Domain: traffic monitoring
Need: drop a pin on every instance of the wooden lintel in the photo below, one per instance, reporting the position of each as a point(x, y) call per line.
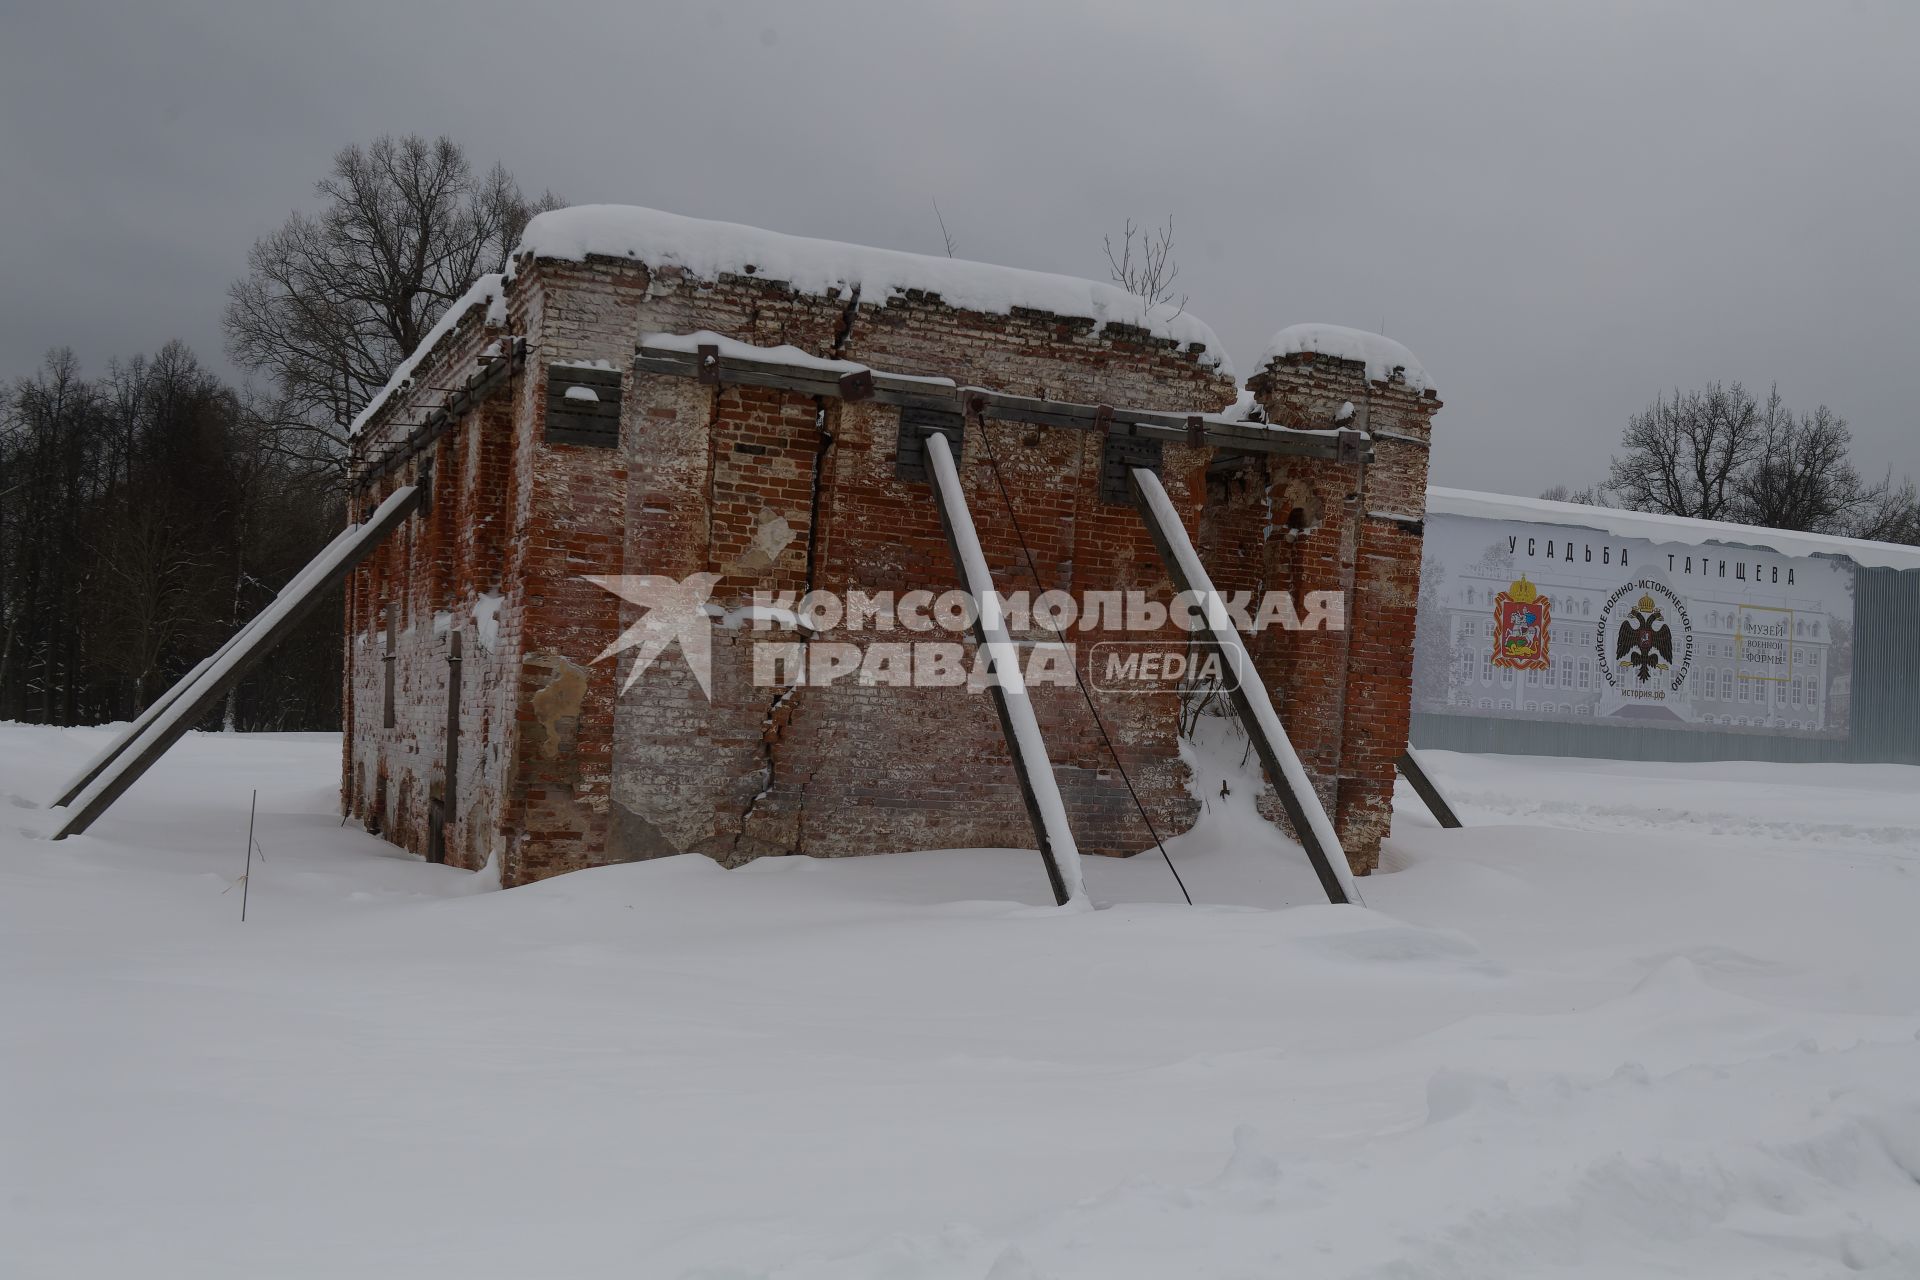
point(900, 390)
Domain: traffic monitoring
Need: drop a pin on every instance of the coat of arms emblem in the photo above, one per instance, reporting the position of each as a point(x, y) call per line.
point(1522, 618)
point(1644, 641)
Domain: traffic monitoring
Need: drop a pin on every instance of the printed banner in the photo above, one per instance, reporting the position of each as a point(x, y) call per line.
point(1539, 621)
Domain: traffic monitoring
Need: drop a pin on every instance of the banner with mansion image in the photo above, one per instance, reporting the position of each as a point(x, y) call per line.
point(1544, 621)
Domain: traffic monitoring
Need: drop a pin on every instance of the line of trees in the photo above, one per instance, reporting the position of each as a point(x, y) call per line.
point(143, 517)
point(1719, 453)
point(147, 512)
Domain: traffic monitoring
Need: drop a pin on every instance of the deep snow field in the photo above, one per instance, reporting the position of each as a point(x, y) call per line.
point(1635, 1021)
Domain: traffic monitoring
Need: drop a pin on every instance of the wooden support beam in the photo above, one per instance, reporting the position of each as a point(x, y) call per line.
point(113, 750)
point(938, 393)
point(273, 626)
point(1415, 772)
point(1018, 725)
point(807, 380)
point(1245, 692)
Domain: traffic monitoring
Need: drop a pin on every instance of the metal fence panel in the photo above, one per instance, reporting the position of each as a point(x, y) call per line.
point(1886, 666)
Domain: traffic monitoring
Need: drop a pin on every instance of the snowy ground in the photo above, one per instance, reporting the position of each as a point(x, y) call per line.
point(1637, 1021)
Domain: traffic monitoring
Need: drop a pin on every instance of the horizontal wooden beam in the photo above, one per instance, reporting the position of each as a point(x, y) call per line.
point(1216, 430)
point(806, 380)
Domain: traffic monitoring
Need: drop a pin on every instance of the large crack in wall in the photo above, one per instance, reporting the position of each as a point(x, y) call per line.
point(770, 728)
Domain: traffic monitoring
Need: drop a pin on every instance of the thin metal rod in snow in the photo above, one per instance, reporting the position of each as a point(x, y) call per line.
point(1414, 770)
point(266, 633)
point(246, 877)
point(1032, 768)
point(1246, 693)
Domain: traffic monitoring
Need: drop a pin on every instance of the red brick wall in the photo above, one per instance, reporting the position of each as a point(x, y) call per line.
point(435, 570)
point(1346, 695)
point(829, 770)
point(561, 768)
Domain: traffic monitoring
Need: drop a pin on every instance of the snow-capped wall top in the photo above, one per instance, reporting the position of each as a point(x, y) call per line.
point(488, 291)
point(1659, 528)
point(1381, 354)
point(708, 249)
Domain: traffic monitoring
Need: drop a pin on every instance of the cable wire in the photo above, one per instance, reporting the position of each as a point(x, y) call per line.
point(993, 464)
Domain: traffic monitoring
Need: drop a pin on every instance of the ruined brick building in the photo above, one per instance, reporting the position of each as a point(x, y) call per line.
point(643, 394)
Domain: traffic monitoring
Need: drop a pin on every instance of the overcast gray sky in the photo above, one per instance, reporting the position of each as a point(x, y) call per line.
point(1562, 209)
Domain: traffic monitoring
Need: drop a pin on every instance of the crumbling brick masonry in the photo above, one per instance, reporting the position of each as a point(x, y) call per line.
point(557, 455)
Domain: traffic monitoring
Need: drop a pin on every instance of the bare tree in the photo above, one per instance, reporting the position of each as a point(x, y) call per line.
point(1685, 456)
point(1591, 496)
point(1149, 270)
point(946, 240)
point(1802, 475)
point(333, 301)
point(149, 591)
point(1890, 514)
point(1717, 454)
point(1804, 478)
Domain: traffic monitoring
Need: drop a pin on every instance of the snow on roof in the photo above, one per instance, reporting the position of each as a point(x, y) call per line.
point(1381, 354)
point(708, 249)
point(1659, 528)
point(791, 356)
point(488, 290)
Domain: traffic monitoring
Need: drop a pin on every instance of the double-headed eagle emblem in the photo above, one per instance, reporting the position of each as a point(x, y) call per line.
point(1644, 640)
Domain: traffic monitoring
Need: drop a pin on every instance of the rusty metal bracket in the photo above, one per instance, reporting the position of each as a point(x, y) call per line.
point(856, 386)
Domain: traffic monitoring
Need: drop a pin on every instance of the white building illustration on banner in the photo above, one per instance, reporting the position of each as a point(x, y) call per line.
point(1659, 634)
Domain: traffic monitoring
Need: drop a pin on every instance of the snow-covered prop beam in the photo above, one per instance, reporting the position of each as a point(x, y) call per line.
point(1414, 770)
point(227, 669)
point(111, 752)
point(1246, 693)
point(714, 359)
point(1018, 724)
